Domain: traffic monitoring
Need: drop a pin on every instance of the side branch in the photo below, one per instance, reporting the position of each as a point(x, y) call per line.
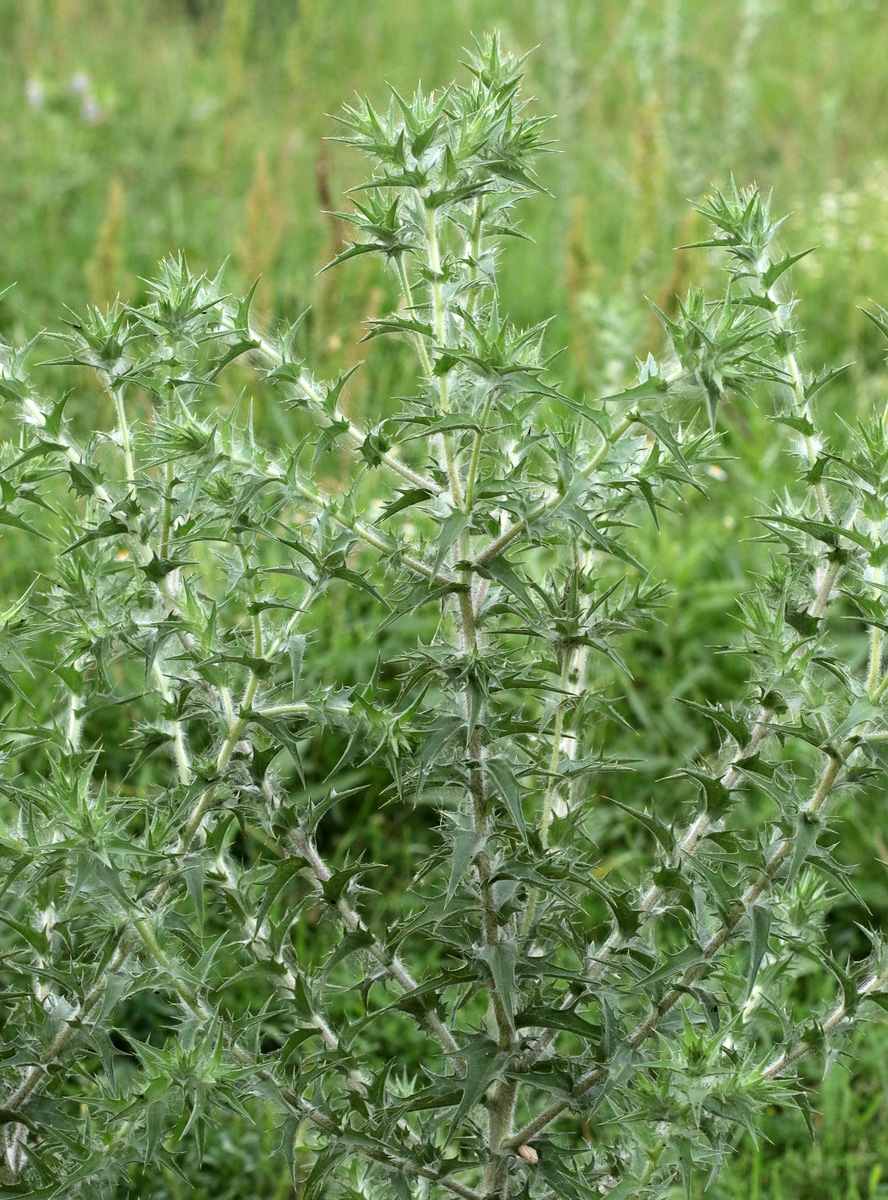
point(697, 831)
point(390, 963)
point(651, 1024)
point(352, 433)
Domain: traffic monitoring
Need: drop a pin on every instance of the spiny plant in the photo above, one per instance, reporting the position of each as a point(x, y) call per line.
point(572, 1030)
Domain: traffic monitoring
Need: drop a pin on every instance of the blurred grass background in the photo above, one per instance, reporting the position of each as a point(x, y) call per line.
point(133, 128)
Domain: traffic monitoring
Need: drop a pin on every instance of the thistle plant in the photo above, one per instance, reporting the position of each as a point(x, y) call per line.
point(532, 1023)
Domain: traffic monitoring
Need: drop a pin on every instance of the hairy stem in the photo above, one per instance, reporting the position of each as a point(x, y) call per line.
point(546, 814)
point(800, 405)
point(391, 963)
point(129, 940)
point(512, 531)
point(699, 828)
point(353, 434)
point(651, 1024)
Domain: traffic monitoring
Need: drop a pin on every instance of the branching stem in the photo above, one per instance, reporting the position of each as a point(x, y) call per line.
point(648, 1027)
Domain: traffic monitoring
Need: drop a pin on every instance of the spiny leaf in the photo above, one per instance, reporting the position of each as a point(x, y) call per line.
point(760, 929)
point(484, 1061)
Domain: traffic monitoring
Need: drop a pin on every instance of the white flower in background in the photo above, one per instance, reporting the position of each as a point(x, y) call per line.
point(35, 93)
point(80, 83)
point(91, 110)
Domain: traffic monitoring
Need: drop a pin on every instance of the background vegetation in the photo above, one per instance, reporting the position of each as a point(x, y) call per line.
point(130, 129)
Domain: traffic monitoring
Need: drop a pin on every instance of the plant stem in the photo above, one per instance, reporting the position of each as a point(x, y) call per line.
point(425, 359)
point(193, 1001)
point(74, 729)
point(876, 983)
point(472, 476)
point(496, 547)
point(477, 789)
point(874, 673)
point(125, 439)
point(501, 1097)
point(546, 815)
point(166, 522)
point(370, 536)
point(129, 940)
point(390, 962)
point(801, 408)
point(183, 761)
point(698, 830)
point(301, 709)
point(352, 432)
point(650, 1025)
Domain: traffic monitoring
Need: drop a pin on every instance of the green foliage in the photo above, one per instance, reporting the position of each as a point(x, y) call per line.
point(571, 1030)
